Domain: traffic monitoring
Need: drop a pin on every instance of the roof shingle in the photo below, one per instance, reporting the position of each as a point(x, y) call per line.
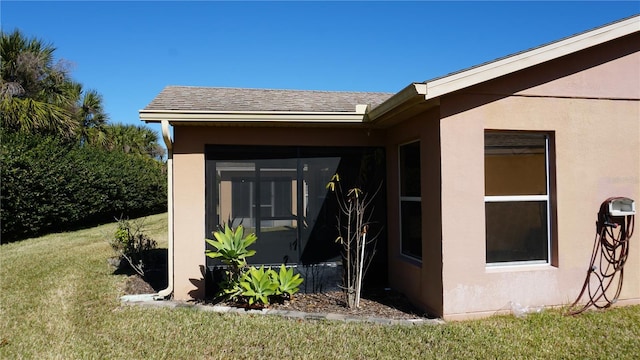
point(191, 98)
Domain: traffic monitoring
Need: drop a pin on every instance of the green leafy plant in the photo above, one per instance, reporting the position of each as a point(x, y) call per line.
point(231, 246)
point(259, 284)
point(131, 243)
point(83, 186)
point(244, 284)
point(288, 282)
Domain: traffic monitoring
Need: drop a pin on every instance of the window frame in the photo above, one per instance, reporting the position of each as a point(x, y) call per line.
point(251, 203)
point(548, 137)
point(414, 199)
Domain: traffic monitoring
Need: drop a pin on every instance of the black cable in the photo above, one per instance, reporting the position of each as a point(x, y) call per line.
point(612, 251)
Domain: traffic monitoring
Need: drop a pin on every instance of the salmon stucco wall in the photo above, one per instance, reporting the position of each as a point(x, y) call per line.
point(189, 213)
point(596, 142)
point(421, 280)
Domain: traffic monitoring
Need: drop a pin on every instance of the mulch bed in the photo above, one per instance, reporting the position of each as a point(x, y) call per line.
point(386, 304)
point(382, 303)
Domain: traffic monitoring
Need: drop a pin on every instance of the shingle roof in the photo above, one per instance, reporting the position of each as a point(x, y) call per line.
point(238, 99)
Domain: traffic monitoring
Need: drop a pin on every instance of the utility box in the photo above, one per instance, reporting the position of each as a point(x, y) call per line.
point(622, 207)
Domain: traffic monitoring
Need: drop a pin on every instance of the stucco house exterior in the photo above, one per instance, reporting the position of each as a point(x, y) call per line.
point(492, 176)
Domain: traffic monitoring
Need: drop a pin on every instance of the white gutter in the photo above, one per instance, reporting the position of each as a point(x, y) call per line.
point(412, 94)
point(163, 294)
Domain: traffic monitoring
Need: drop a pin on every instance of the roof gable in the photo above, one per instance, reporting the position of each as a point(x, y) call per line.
point(431, 90)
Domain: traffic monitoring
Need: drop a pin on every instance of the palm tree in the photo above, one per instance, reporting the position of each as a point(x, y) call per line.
point(35, 94)
point(134, 140)
point(90, 115)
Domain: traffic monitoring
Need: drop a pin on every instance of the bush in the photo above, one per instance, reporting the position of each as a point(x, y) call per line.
point(248, 284)
point(49, 185)
point(130, 243)
point(262, 286)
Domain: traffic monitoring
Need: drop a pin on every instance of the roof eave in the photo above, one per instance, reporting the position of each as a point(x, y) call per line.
point(191, 116)
point(412, 94)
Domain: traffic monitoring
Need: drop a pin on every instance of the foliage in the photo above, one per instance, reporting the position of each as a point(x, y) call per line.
point(287, 282)
point(58, 164)
point(38, 96)
point(133, 139)
point(51, 185)
point(241, 283)
point(258, 285)
point(232, 246)
point(91, 117)
point(354, 218)
point(131, 243)
point(267, 285)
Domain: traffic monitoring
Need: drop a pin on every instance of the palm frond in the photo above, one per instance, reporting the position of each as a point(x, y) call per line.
point(29, 115)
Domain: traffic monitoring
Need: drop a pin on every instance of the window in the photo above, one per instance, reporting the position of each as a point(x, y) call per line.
point(242, 197)
point(517, 206)
point(410, 200)
point(274, 201)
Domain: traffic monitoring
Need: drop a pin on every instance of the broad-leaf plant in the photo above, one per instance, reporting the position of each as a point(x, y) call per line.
point(244, 284)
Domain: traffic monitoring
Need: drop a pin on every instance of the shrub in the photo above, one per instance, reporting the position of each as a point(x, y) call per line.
point(266, 286)
point(258, 285)
point(354, 217)
point(50, 185)
point(287, 282)
point(130, 243)
point(231, 247)
point(240, 283)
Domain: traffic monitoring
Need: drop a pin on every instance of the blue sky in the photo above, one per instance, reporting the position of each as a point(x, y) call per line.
point(129, 51)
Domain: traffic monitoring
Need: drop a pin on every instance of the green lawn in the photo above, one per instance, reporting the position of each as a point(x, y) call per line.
point(60, 301)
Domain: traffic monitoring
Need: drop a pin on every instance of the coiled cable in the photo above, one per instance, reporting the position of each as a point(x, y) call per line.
point(610, 253)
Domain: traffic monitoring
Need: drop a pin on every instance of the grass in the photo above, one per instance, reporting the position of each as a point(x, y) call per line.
point(60, 300)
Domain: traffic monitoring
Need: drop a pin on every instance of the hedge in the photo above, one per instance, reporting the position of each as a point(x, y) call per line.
point(47, 185)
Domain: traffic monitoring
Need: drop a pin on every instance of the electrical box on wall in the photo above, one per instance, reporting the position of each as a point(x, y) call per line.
point(622, 207)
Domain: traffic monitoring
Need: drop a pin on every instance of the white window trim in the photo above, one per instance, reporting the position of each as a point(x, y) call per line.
point(521, 198)
point(514, 198)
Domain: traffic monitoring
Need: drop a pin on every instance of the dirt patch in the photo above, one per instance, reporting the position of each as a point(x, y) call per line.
point(136, 285)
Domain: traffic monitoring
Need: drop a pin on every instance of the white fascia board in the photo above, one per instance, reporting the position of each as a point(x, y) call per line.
point(530, 58)
point(405, 95)
point(176, 116)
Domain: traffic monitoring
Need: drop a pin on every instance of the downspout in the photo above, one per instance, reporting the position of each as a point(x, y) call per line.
point(163, 294)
